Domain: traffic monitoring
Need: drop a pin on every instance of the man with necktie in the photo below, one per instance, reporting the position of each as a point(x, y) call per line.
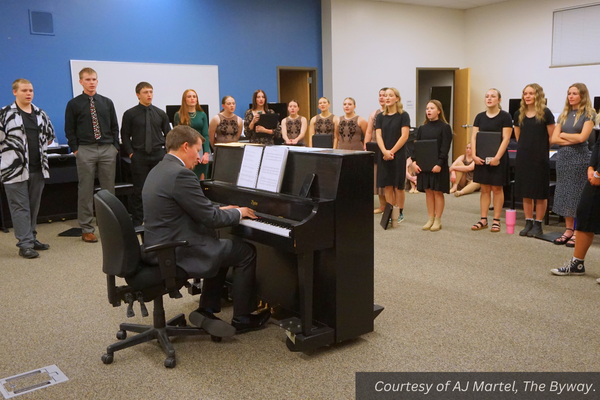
point(92, 131)
point(143, 132)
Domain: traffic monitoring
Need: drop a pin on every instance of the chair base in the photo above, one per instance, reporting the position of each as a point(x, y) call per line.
point(176, 326)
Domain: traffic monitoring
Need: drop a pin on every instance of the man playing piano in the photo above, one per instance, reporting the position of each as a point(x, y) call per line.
point(176, 209)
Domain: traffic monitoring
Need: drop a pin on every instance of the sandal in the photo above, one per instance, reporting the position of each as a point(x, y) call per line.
point(571, 242)
point(564, 238)
point(495, 225)
point(479, 226)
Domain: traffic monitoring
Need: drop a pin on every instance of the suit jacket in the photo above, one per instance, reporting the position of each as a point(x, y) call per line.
point(175, 208)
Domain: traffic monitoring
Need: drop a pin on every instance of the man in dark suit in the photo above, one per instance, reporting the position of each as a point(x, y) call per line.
point(175, 208)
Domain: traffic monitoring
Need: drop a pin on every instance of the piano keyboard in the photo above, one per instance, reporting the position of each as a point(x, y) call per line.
point(266, 227)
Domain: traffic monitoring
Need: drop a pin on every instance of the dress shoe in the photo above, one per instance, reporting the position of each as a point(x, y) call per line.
point(215, 326)
point(37, 245)
point(251, 322)
point(28, 253)
point(89, 237)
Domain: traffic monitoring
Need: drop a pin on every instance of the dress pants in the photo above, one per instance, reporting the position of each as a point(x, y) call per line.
point(241, 256)
point(24, 203)
point(141, 164)
point(92, 158)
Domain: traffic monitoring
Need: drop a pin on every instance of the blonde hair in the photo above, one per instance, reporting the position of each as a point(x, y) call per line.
point(15, 85)
point(398, 104)
point(351, 99)
point(438, 105)
point(499, 97)
point(585, 106)
point(87, 70)
point(539, 103)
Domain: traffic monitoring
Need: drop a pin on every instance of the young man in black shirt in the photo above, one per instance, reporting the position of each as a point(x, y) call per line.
point(92, 131)
point(143, 132)
point(25, 133)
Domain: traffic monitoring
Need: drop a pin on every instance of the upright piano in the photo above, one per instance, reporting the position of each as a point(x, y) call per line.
point(314, 241)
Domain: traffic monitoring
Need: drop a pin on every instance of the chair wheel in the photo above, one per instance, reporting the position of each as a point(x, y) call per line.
point(215, 339)
point(122, 335)
point(107, 358)
point(170, 362)
point(291, 345)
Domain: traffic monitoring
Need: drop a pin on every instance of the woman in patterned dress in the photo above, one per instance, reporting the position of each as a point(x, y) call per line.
point(225, 127)
point(324, 123)
point(294, 126)
point(256, 133)
point(573, 128)
point(191, 113)
point(370, 137)
point(350, 134)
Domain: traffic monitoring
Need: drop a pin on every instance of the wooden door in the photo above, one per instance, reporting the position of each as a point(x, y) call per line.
point(294, 85)
point(462, 107)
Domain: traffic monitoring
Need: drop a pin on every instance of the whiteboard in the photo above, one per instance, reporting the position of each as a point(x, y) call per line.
point(117, 81)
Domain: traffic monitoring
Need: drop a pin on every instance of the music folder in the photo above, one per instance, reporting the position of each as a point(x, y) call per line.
point(488, 144)
point(426, 154)
point(268, 121)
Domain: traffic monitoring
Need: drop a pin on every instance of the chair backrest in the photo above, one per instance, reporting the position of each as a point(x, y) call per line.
point(120, 245)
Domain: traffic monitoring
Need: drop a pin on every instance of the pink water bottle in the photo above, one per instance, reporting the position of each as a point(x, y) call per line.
point(511, 220)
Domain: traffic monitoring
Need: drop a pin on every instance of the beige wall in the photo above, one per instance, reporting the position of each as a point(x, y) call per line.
point(507, 45)
point(375, 44)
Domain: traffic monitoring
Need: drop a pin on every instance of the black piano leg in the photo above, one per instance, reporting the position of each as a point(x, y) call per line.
point(305, 282)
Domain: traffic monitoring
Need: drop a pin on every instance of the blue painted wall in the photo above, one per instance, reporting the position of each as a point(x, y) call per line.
point(246, 39)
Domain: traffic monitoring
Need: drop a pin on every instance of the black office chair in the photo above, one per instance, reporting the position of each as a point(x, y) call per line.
point(121, 256)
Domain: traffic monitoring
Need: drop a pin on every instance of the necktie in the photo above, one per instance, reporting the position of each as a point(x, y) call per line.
point(148, 132)
point(95, 122)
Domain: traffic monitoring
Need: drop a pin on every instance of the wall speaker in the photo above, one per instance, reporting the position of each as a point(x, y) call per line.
point(40, 23)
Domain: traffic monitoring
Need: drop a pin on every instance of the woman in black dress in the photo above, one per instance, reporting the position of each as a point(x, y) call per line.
point(371, 137)
point(392, 128)
point(256, 133)
point(572, 130)
point(435, 182)
point(588, 217)
point(491, 174)
point(534, 125)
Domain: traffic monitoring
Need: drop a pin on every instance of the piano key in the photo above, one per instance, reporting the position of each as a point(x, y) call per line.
point(266, 227)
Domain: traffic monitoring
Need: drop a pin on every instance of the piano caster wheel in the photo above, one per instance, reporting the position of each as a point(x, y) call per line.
point(170, 362)
point(291, 346)
point(216, 339)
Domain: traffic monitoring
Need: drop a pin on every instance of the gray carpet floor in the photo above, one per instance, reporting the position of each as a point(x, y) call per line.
point(454, 300)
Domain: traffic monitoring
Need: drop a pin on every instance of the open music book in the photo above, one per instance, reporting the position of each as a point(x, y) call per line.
point(263, 167)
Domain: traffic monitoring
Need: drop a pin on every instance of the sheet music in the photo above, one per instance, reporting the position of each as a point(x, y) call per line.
point(272, 168)
point(250, 166)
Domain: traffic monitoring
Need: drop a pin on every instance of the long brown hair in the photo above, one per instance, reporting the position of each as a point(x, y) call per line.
point(585, 106)
point(540, 103)
point(255, 105)
point(438, 105)
point(184, 116)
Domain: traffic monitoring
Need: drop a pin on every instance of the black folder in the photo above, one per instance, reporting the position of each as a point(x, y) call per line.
point(426, 154)
point(268, 121)
point(488, 144)
point(385, 217)
point(323, 141)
